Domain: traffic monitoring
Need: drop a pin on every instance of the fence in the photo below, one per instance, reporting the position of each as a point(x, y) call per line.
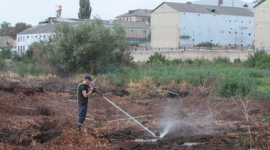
point(141, 54)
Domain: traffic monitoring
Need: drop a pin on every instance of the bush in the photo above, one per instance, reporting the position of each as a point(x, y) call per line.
point(237, 61)
point(221, 60)
point(5, 53)
point(233, 86)
point(260, 60)
point(2, 64)
point(176, 62)
point(157, 59)
point(189, 61)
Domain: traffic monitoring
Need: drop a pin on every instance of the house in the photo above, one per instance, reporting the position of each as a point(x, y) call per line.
point(138, 15)
point(135, 31)
point(34, 34)
point(262, 25)
point(175, 25)
point(6, 41)
point(229, 3)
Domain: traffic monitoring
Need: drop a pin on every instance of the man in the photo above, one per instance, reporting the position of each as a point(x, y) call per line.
point(84, 91)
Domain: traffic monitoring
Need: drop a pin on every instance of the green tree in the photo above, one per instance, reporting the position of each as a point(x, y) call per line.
point(19, 27)
point(85, 9)
point(4, 27)
point(85, 47)
point(5, 53)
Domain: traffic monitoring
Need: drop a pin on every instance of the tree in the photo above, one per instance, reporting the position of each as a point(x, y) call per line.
point(19, 27)
point(85, 9)
point(4, 27)
point(85, 47)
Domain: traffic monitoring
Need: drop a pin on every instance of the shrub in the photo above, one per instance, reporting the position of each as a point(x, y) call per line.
point(221, 60)
point(176, 62)
point(157, 59)
point(260, 60)
point(233, 86)
point(189, 61)
point(2, 64)
point(5, 53)
point(237, 61)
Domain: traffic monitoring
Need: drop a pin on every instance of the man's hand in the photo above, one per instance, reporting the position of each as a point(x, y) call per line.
point(91, 90)
point(85, 94)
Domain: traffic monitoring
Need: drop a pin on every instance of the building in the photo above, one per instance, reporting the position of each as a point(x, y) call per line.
point(228, 3)
point(136, 32)
point(138, 15)
point(175, 25)
point(6, 41)
point(34, 34)
point(262, 25)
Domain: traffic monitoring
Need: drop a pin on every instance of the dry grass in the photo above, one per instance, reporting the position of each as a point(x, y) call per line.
point(145, 88)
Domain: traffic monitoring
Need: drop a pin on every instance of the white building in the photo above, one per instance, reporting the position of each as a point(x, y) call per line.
point(34, 34)
point(176, 24)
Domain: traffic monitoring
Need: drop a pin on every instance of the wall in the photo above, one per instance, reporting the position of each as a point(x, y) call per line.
point(139, 33)
point(223, 30)
point(143, 56)
point(262, 25)
point(164, 27)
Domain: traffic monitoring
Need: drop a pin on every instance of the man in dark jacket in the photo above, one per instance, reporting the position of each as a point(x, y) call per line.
point(84, 91)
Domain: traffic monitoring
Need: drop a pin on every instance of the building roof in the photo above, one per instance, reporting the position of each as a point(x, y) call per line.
point(209, 9)
point(259, 3)
point(3, 38)
point(41, 28)
point(229, 3)
point(137, 12)
point(132, 24)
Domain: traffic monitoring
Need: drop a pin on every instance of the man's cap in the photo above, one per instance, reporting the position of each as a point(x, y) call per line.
point(88, 77)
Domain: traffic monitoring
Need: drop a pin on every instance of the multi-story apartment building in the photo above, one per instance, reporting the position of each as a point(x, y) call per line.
point(184, 24)
point(262, 25)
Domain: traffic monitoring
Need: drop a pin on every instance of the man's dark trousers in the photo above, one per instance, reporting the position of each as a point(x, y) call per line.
point(82, 111)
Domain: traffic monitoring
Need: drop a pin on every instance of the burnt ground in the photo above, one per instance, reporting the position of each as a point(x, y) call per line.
point(43, 115)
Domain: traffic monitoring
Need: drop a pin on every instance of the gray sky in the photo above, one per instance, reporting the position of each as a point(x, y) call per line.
point(34, 11)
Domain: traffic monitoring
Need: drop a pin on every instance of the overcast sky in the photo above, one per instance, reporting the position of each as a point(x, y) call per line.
point(34, 11)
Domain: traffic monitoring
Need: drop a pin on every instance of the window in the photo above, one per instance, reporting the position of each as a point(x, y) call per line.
point(199, 14)
point(249, 34)
point(27, 36)
point(235, 32)
point(230, 21)
point(229, 32)
point(222, 31)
